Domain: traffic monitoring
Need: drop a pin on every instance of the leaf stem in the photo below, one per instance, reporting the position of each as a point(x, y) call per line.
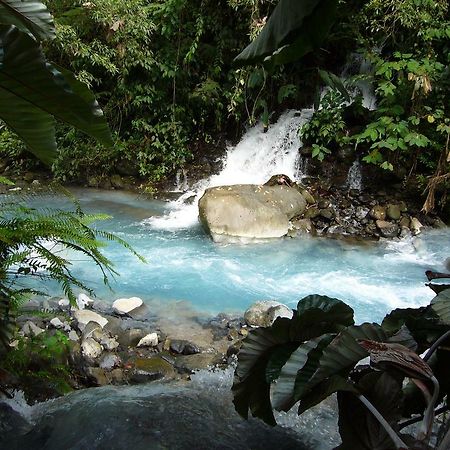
point(436, 344)
point(399, 444)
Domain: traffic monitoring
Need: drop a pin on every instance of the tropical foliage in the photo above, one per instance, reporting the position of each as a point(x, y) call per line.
point(320, 351)
point(39, 243)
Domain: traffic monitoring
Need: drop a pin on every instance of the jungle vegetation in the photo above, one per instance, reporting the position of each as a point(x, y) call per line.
point(172, 78)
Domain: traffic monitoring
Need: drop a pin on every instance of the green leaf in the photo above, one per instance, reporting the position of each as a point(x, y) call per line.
point(29, 16)
point(283, 397)
point(344, 351)
point(441, 306)
point(251, 389)
point(41, 91)
point(295, 28)
point(358, 428)
point(334, 82)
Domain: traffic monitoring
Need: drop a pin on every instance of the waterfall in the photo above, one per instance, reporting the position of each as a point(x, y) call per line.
point(253, 160)
point(354, 176)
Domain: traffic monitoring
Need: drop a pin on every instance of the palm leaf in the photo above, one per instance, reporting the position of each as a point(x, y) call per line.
point(29, 16)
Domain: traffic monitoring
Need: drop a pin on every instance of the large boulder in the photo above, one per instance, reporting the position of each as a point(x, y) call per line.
point(249, 211)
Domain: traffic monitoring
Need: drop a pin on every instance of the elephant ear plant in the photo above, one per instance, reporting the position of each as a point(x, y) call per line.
point(320, 351)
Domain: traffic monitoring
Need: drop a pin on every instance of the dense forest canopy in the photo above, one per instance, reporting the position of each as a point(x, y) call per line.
point(165, 75)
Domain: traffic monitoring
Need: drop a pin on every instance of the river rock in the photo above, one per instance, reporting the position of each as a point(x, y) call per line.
point(124, 306)
point(83, 301)
point(56, 323)
point(97, 375)
point(30, 329)
point(378, 212)
point(183, 347)
point(84, 316)
point(73, 336)
point(150, 340)
point(312, 213)
point(303, 225)
point(405, 222)
point(109, 360)
point(393, 212)
point(415, 226)
point(116, 181)
point(249, 211)
point(387, 229)
point(264, 313)
point(91, 349)
point(150, 369)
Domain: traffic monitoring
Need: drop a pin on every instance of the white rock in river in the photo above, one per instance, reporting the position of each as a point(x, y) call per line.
point(127, 305)
point(56, 323)
point(150, 340)
point(84, 316)
point(264, 313)
point(91, 349)
point(83, 301)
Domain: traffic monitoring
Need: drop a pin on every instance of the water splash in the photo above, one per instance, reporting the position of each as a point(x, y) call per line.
point(354, 176)
point(253, 160)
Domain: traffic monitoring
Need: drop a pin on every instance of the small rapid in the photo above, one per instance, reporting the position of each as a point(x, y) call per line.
point(257, 157)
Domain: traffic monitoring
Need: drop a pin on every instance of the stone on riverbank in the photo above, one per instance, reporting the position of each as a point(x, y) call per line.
point(124, 306)
point(150, 340)
point(264, 313)
point(84, 316)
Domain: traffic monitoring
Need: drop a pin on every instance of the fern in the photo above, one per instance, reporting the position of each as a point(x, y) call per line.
point(31, 244)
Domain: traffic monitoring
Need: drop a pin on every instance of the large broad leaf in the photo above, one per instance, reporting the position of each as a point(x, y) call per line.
point(27, 78)
point(358, 427)
point(28, 15)
point(251, 389)
point(441, 306)
point(345, 351)
point(319, 314)
point(423, 323)
point(283, 395)
point(295, 28)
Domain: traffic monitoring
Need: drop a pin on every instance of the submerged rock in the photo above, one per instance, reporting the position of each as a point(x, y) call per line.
point(249, 211)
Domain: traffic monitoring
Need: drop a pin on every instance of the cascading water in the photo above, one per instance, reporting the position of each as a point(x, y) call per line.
point(354, 177)
point(253, 160)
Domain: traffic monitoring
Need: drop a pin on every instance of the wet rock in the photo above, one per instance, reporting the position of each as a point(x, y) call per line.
point(124, 306)
point(109, 360)
point(393, 212)
point(404, 232)
point(150, 340)
point(192, 363)
point(405, 222)
point(415, 226)
point(84, 301)
point(31, 330)
point(183, 347)
point(361, 212)
point(91, 349)
point(249, 211)
point(150, 369)
point(378, 212)
point(312, 213)
point(387, 229)
point(264, 313)
point(97, 375)
point(131, 337)
point(336, 230)
point(117, 376)
point(327, 213)
point(84, 316)
point(307, 196)
point(303, 225)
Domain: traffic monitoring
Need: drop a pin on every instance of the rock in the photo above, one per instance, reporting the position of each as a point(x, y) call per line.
point(89, 329)
point(131, 337)
point(56, 323)
point(387, 229)
point(405, 222)
point(182, 347)
point(83, 301)
point(264, 313)
point(64, 304)
point(192, 363)
point(415, 226)
point(307, 196)
point(303, 225)
point(361, 212)
point(249, 211)
point(327, 213)
point(116, 181)
point(109, 360)
point(150, 340)
point(91, 349)
point(124, 306)
point(98, 375)
point(378, 212)
point(404, 232)
point(150, 369)
point(117, 376)
point(73, 336)
point(312, 213)
point(84, 316)
point(108, 343)
point(31, 330)
point(393, 212)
